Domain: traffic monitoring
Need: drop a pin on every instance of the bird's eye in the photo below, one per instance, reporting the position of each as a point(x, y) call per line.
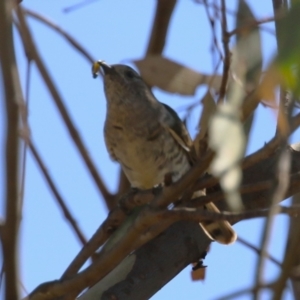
point(130, 74)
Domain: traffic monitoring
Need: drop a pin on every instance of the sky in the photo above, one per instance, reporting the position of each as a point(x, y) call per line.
point(118, 31)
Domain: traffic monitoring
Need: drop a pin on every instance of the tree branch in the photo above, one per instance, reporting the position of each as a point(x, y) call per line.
point(127, 288)
point(31, 48)
point(11, 94)
point(61, 202)
point(164, 10)
point(111, 256)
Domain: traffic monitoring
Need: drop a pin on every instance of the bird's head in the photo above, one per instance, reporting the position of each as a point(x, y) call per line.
point(122, 84)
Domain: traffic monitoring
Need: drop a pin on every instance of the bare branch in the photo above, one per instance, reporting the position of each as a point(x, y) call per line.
point(270, 147)
point(164, 10)
point(31, 48)
point(258, 251)
point(61, 202)
point(279, 190)
point(227, 54)
point(12, 94)
point(112, 222)
point(62, 32)
point(291, 256)
point(105, 230)
point(25, 132)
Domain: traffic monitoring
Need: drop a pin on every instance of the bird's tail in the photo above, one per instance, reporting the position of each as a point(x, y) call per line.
point(220, 231)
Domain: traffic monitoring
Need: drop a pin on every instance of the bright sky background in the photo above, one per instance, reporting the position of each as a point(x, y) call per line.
point(118, 32)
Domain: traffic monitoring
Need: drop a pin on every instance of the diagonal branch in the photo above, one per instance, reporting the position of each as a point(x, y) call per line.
point(11, 95)
point(162, 265)
point(227, 54)
point(31, 48)
point(61, 202)
point(62, 32)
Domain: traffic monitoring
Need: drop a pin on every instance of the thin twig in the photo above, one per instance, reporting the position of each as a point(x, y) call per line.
point(198, 214)
point(291, 256)
point(28, 42)
point(227, 54)
point(77, 5)
point(258, 251)
point(219, 195)
point(279, 189)
point(278, 194)
point(270, 147)
point(61, 202)
point(25, 133)
point(215, 44)
point(262, 187)
point(62, 32)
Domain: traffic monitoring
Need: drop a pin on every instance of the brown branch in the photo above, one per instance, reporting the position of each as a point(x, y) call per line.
point(105, 230)
point(144, 220)
point(108, 262)
point(31, 48)
point(25, 131)
point(63, 33)
point(227, 54)
point(270, 147)
point(279, 189)
point(161, 253)
point(291, 256)
point(164, 10)
point(128, 202)
point(12, 93)
point(282, 182)
point(112, 222)
point(293, 253)
point(156, 263)
point(246, 190)
point(215, 44)
point(61, 202)
point(258, 251)
point(114, 255)
point(198, 214)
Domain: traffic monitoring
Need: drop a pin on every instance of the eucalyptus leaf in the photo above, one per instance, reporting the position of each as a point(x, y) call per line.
point(173, 77)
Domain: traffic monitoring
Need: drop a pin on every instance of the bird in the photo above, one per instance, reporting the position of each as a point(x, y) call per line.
point(148, 138)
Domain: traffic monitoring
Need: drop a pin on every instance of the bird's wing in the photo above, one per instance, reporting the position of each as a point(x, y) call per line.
point(179, 132)
point(109, 145)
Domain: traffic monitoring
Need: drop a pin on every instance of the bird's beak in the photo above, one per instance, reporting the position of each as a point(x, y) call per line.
point(100, 64)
